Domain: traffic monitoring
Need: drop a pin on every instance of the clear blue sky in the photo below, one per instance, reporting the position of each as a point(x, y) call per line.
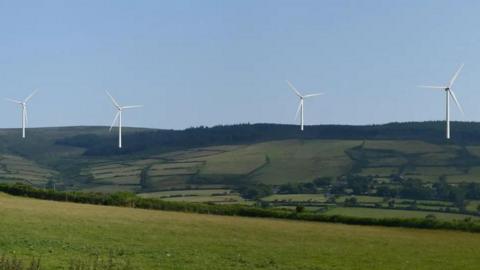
point(221, 62)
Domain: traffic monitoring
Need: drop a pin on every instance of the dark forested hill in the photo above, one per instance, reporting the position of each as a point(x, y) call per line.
point(166, 140)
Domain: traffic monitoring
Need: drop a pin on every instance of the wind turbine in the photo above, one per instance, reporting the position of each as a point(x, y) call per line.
point(119, 117)
point(300, 106)
point(24, 110)
point(449, 94)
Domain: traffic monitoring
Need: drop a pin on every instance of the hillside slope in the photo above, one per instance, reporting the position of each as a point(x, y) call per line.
point(227, 156)
point(168, 240)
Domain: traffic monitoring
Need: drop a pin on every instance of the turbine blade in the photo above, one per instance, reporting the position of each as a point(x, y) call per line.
point(132, 106)
point(114, 120)
point(432, 87)
point(294, 89)
point(455, 76)
point(113, 100)
point(313, 95)
point(452, 94)
point(298, 110)
point(30, 96)
point(14, 100)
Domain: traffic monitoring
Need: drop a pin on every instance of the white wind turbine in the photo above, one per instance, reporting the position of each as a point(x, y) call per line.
point(300, 106)
point(449, 93)
point(24, 110)
point(119, 117)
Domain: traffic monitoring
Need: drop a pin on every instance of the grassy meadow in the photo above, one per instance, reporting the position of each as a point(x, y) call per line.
point(168, 240)
point(388, 213)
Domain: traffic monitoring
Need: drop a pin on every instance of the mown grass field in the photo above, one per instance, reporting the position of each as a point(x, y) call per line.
point(169, 240)
point(388, 213)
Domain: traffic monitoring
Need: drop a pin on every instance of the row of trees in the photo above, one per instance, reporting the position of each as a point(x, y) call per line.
point(441, 190)
point(255, 191)
point(409, 188)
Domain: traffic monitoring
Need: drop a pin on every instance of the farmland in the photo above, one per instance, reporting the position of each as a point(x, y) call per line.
point(350, 178)
point(387, 213)
point(272, 162)
point(281, 162)
point(169, 240)
point(223, 174)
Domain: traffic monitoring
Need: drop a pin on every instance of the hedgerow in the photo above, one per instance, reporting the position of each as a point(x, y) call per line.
point(126, 199)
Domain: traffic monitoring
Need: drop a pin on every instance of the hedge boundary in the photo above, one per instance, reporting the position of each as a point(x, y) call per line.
point(126, 199)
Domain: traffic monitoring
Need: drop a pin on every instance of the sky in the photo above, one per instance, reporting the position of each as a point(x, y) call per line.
point(193, 63)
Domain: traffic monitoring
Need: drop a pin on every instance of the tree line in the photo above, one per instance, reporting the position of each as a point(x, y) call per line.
point(408, 188)
point(168, 140)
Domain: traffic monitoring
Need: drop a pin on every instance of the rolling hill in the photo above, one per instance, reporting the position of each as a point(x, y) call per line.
point(228, 156)
point(58, 232)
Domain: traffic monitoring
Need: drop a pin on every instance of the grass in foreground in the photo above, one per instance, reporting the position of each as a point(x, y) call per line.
point(57, 232)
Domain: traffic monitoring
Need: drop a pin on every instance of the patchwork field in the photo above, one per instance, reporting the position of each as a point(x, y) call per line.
point(18, 169)
point(40, 159)
point(270, 163)
point(168, 240)
point(417, 159)
point(280, 162)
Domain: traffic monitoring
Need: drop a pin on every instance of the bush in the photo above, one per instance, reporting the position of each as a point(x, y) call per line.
point(352, 201)
point(300, 208)
point(323, 181)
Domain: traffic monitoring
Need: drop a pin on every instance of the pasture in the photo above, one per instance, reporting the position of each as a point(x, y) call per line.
point(391, 213)
point(169, 240)
point(18, 169)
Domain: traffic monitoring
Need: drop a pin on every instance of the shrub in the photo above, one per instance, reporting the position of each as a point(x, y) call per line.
point(299, 209)
point(352, 201)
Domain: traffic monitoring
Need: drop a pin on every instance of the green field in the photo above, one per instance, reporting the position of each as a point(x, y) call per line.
point(168, 240)
point(17, 169)
point(219, 196)
point(296, 198)
point(387, 213)
point(186, 193)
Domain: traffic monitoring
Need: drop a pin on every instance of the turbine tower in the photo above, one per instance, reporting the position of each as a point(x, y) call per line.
point(23, 104)
point(300, 106)
point(119, 117)
point(448, 94)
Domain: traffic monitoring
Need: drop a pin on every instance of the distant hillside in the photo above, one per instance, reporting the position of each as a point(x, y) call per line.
point(87, 158)
point(167, 140)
